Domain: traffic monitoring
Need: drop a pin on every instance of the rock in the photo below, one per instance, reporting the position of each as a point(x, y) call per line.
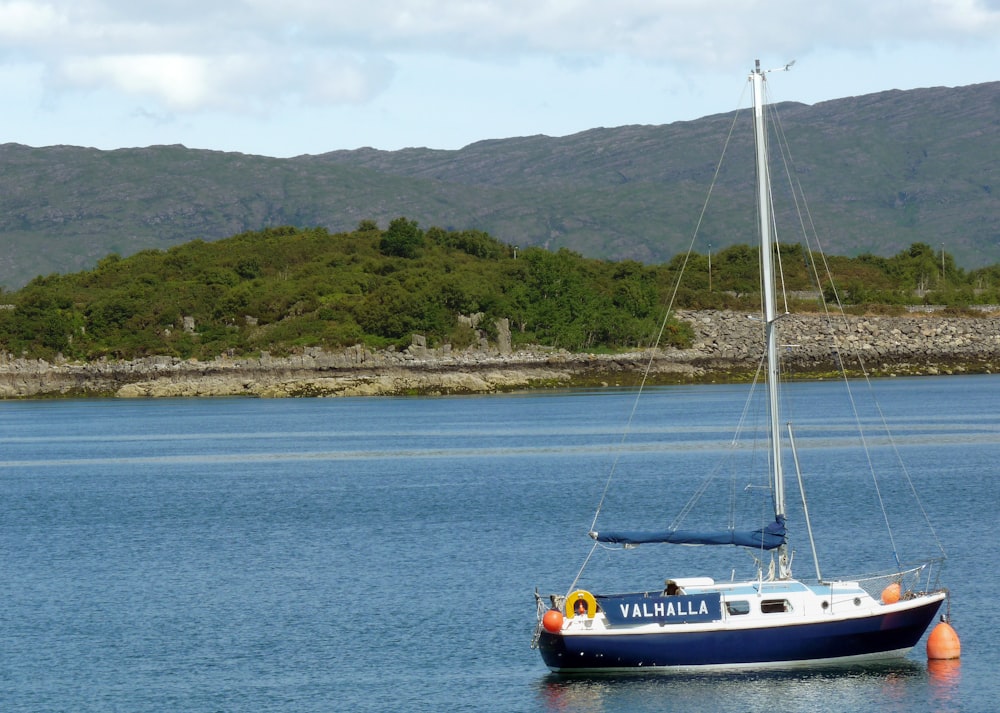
point(503, 336)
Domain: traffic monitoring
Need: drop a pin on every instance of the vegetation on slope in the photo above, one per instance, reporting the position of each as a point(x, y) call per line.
point(281, 290)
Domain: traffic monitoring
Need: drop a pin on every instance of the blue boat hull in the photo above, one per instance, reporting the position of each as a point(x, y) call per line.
point(792, 644)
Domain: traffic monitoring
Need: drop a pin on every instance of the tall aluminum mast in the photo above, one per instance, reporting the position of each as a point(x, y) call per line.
point(770, 299)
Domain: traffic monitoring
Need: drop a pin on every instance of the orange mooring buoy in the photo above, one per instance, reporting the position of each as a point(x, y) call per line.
point(552, 621)
point(943, 642)
point(890, 595)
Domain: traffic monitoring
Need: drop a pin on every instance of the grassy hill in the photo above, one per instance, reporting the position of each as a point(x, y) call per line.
point(285, 289)
point(881, 172)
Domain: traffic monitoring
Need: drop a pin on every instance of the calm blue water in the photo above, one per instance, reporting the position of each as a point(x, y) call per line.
point(380, 554)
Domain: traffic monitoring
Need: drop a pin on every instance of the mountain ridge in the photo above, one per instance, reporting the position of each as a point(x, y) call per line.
point(881, 171)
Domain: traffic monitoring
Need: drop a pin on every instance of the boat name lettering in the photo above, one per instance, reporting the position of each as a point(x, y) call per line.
point(660, 609)
point(631, 609)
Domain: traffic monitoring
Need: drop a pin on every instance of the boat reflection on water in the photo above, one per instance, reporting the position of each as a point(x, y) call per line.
point(905, 684)
point(562, 694)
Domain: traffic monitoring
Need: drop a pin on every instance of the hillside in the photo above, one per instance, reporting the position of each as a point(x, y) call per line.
point(285, 290)
point(282, 290)
point(881, 172)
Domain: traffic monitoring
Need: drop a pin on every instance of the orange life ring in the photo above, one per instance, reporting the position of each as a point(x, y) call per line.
point(581, 595)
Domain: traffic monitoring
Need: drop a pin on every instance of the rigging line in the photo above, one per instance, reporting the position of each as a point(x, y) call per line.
point(850, 392)
point(857, 419)
point(733, 444)
point(878, 407)
point(906, 474)
point(805, 216)
point(750, 401)
point(663, 324)
point(769, 122)
point(772, 120)
point(785, 151)
point(586, 561)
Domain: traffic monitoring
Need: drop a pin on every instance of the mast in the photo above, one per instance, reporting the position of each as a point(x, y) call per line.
point(770, 300)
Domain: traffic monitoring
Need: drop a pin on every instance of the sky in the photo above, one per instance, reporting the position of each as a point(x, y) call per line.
point(290, 77)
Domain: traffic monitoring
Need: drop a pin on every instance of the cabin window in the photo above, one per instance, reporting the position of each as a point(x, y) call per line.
point(775, 606)
point(738, 607)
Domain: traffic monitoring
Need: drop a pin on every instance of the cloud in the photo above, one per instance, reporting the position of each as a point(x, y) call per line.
point(256, 55)
point(26, 22)
point(236, 82)
point(181, 82)
point(654, 29)
point(186, 59)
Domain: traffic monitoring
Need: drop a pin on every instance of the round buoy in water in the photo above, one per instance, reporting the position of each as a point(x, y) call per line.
point(890, 595)
point(553, 621)
point(943, 642)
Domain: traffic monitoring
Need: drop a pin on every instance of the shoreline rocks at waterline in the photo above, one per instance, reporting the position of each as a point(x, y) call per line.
point(726, 345)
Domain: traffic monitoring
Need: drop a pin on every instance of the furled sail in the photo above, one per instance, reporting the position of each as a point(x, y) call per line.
point(765, 538)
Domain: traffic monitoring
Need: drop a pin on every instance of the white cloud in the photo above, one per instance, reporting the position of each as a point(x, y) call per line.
point(339, 79)
point(181, 82)
point(653, 29)
point(195, 55)
point(24, 23)
point(237, 82)
point(203, 62)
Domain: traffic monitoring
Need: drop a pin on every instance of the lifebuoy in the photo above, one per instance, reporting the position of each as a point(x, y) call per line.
point(581, 595)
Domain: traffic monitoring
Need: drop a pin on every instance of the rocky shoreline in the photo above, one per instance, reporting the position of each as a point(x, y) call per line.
point(726, 347)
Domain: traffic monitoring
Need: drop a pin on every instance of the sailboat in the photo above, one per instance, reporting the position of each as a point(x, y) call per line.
point(771, 620)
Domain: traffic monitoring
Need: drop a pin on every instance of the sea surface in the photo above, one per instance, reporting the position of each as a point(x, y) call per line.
point(381, 554)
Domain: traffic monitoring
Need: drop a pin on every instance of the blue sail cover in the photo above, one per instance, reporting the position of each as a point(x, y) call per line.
point(767, 538)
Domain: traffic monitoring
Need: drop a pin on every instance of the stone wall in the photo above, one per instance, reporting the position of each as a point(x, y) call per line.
point(884, 343)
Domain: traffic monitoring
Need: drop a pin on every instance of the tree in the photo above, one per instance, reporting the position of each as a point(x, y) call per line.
point(738, 269)
point(402, 239)
point(249, 268)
